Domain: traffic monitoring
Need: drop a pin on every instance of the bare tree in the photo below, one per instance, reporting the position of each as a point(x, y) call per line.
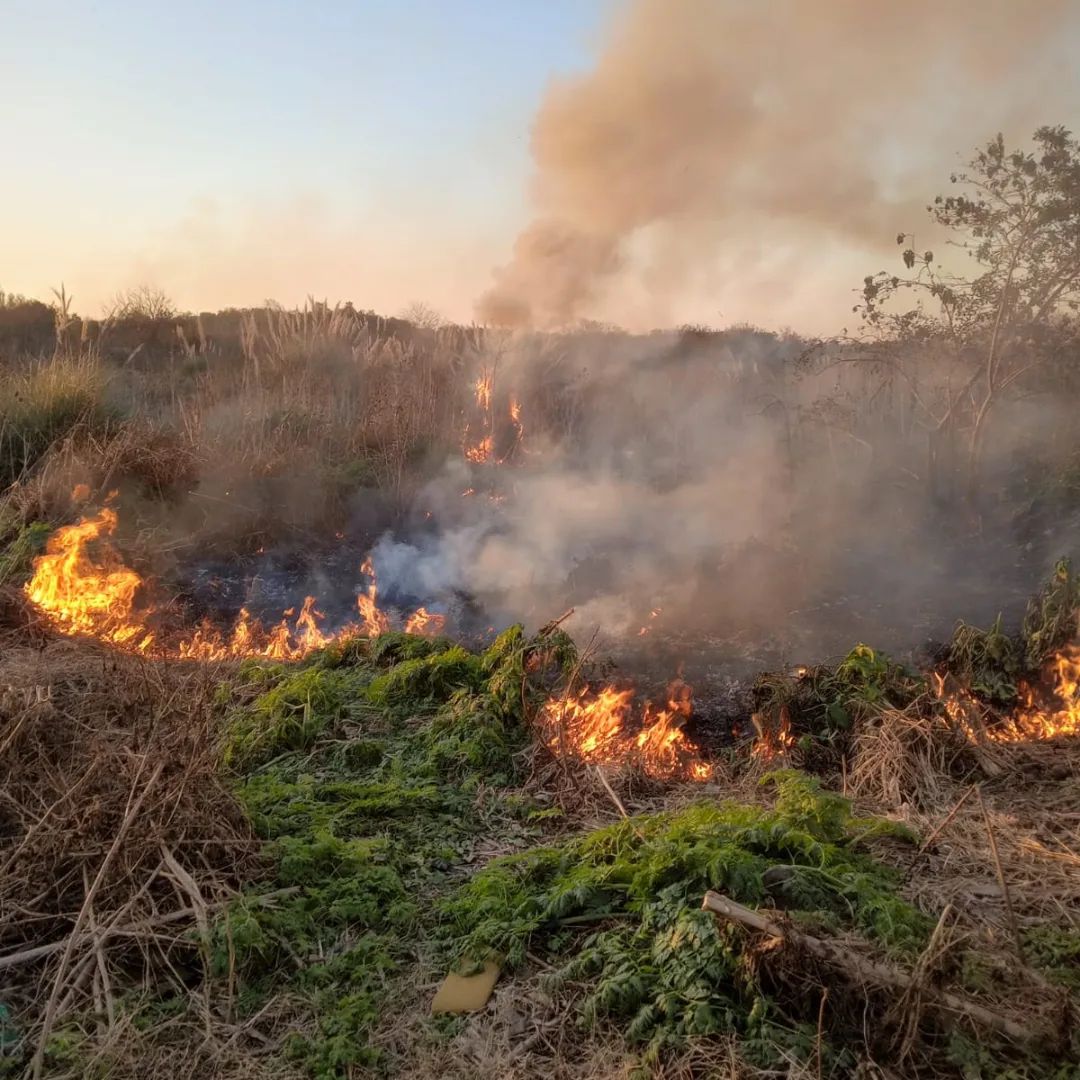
point(1017, 214)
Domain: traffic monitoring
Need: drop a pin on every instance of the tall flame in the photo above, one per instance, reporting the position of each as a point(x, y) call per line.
point(84, 596)
point(600, 727)
point(375, 621)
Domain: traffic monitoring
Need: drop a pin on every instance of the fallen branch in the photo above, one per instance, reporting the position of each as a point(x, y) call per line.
point(872, 971)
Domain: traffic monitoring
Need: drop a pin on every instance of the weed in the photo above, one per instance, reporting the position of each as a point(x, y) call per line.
point(991, 663)
point(824, 704)
point(657, 964)
point(427, 681)
point(16, 557)
point(355, 828)
point(291, 715)
point(1056, 951)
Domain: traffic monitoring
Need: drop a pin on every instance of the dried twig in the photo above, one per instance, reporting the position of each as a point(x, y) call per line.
point(1013, 927)
point(54, 997)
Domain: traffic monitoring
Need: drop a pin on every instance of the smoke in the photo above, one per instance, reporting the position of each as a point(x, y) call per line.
point(731, 129)
point(763, 507)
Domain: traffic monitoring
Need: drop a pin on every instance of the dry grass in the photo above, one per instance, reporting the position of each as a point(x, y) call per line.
point(117, 837)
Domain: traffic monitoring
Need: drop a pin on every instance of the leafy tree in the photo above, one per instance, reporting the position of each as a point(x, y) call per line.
point(1017, 214)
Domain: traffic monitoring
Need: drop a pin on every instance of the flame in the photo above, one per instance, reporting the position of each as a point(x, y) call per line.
point(480, 452)
point(84, 596)
point(375, 621)
point(483, 388)
point(773, 741)
point(1046, 711)
point(83, 588)
point(597, 727)
point(425, 623)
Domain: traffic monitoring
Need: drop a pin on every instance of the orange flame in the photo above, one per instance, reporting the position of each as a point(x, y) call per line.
point(425, 623)
point(375, 621)
point(596, 727)
point(1050, 710)
point(484, 386)
point(773, 742)
point(83, 587)
point(84, 596)
point(480, 452)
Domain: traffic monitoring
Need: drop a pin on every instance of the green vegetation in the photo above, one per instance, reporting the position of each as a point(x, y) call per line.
point(17, 553)
point(362, 771)
point(653, 961)
point(372, 770)
point(991, 662)
point(823, 704)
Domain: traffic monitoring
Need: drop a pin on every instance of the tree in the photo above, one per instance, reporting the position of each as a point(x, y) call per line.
point(1017, 215)
point(422, 316)
point(144, 304)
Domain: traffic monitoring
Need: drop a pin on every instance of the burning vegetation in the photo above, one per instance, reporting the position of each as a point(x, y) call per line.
point(609, 726)
point(83, 588)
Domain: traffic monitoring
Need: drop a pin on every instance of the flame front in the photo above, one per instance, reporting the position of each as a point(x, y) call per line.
point(598, 727)
point(83, 587)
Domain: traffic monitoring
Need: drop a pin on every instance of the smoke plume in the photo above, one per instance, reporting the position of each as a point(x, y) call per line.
point(735, 127)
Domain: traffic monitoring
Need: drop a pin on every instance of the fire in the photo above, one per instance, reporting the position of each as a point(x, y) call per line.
point(84, 596)
point(598, 727)
point(480, 452)
point(483, 388)
point(83, 587)
point(375, 621)
point(773, 741)
point(250, 638)
point(425, 623)
point(1047, 711)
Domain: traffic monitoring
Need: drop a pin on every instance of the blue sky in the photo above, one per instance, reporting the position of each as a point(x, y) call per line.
point(231, 152)
point(126, 121)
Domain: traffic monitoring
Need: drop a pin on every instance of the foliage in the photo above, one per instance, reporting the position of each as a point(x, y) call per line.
point(823, 704)
point(426, 681)
point(990, 662)
point(657, 963)
point(291, 714)
point(355, 828)
point(1051, 617)
point(1056, 951)
point(987, 662)
point(16, 556)
point(1017, 214)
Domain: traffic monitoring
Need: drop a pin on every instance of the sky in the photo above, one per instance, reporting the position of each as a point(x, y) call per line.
point(359, 150)
point(378, 151)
